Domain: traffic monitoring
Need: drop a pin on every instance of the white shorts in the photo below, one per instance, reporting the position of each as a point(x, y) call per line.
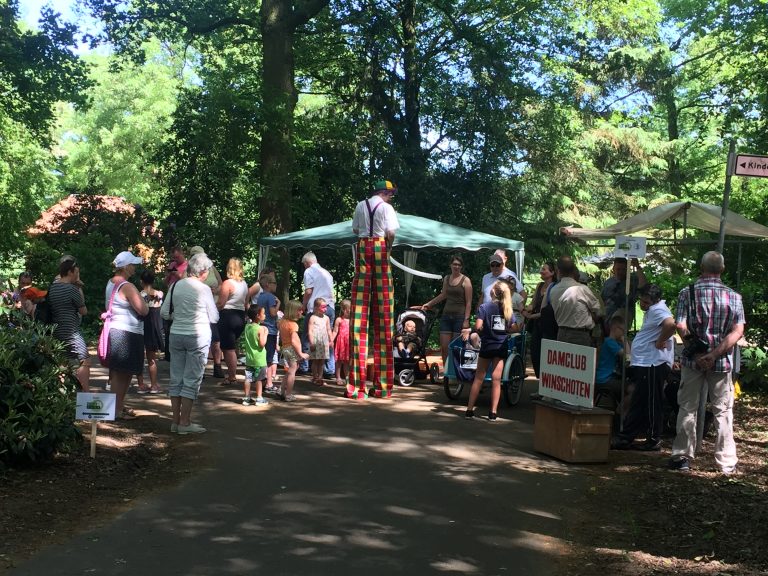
point(259, 373)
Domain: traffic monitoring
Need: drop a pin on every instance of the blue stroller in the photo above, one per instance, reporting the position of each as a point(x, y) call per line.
point(462, 364)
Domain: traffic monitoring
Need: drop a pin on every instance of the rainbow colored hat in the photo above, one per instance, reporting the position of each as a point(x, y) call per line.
point(380, 185)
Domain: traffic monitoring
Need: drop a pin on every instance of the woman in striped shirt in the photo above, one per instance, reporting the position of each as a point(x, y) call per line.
point(67, 305)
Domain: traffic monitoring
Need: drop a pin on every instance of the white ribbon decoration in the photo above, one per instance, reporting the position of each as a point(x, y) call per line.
point(415, 272)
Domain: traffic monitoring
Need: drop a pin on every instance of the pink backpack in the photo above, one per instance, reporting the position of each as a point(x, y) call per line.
point(103, 350)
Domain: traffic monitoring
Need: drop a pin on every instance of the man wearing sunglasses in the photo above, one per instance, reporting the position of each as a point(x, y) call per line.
point(499, 271)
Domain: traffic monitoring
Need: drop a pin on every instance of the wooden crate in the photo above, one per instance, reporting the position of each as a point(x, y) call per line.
point(571, 433)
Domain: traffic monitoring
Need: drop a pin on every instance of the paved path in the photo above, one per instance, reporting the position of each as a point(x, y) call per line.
point(330, 486)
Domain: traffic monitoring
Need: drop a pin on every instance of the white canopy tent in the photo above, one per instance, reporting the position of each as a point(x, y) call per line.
point(691, 214)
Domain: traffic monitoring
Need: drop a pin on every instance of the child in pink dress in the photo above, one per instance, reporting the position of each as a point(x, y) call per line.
point(340, 338)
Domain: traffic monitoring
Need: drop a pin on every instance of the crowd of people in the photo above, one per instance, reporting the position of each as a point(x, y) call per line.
point(709, 320)
point(201, 315)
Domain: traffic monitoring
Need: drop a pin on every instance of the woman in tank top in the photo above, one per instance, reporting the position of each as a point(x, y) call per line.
point(233, 297)
point(126, 329)
point(457, 293)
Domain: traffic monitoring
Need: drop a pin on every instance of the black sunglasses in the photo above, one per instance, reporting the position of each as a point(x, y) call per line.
point(495, 264)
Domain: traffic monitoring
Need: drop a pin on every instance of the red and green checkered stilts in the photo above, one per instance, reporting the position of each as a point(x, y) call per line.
point(372, 296)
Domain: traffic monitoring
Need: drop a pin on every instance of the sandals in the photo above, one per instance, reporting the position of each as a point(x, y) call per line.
point(127, 414)
point(318, 382)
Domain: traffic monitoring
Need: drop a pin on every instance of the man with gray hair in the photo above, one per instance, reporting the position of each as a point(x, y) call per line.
point(318, 283)
point(710, 318)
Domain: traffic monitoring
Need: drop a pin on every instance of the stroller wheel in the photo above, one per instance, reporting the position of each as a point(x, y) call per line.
point(452, 388)
point(406, 377)
point(434, 373)
point(512, 379)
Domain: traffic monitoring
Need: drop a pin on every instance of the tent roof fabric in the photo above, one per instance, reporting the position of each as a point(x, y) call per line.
point(414, 232)
point(699, 215)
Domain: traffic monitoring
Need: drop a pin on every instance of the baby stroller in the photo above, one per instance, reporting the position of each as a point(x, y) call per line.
point(462, 364)
point(408, 369)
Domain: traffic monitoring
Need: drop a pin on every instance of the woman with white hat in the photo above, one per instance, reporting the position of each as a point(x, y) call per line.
point(126, 330)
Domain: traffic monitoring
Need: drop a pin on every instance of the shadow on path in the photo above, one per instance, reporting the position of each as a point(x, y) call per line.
point(331, 486)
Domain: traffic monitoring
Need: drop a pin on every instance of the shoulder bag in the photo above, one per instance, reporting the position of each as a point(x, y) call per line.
point(103, 349)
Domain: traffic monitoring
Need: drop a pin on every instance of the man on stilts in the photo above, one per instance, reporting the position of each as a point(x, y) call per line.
point(374, 223)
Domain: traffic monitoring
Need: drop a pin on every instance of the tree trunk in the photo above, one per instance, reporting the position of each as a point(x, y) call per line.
point(414, 156)
point(278, 101)
point(674, 176)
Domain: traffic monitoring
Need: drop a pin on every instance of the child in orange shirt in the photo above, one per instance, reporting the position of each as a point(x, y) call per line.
point(290, 347)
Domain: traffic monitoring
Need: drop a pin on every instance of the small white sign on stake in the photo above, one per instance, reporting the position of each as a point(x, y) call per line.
point(630, 247)
point(95, 406)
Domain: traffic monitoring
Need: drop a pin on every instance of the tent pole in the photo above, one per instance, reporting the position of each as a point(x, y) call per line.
point(627, 283)
point(726, 195)
point(738, 269)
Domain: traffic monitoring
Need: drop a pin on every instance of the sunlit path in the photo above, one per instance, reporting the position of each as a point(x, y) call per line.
point(328, 486)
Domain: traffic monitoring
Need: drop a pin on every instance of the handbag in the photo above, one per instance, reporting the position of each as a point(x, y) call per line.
point(103, 349)
point(693, 345)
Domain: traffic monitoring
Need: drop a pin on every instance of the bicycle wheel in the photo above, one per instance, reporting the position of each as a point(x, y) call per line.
point(512, 379)
point(452, 388)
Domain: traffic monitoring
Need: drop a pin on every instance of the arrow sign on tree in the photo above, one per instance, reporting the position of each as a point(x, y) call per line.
point(749, 165)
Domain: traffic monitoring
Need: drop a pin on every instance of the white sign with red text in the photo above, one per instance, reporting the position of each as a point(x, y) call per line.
point(567, 372)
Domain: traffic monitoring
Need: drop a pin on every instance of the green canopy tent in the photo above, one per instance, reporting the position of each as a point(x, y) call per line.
point(415, 233)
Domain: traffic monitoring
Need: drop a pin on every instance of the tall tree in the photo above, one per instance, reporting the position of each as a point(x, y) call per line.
point(110, 147)
point(38, 68)
point(275, 27)
point(27, 184)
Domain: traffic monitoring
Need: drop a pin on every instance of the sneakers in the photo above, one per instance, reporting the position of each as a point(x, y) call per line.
point(191, 429)
point(289, 398)
point(247, 401)
point(492, 417)
point(619, 443)
point(469, 414)
point(728, 470)
point(261, 401)
point(142, 391)
point(174, 427)
point(679, 464)
point(648, 446)
point(271, 389)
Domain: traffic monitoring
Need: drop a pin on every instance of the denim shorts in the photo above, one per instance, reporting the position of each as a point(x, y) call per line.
point(452, 324)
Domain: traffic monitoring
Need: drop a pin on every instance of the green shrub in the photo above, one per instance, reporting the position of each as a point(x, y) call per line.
point(754, 369)
point(37, 392)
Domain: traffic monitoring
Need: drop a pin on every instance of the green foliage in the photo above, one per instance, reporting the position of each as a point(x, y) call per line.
point(37, 392)
point(26, 183)
point(754, 369)
point(110, 146)
point(37, 69)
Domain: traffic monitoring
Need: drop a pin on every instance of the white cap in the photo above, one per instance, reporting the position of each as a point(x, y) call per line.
point(125, 258)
